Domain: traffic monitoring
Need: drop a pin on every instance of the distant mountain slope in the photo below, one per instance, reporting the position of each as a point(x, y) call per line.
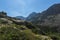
point(32, 15)
point(20, 17)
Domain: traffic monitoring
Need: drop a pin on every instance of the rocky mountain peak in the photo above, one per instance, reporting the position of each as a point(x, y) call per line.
point(54, 9)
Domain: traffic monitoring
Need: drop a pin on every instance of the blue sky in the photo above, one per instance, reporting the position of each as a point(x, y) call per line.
point(25, 7)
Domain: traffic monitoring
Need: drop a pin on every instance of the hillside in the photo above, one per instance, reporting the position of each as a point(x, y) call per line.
point(15, 29)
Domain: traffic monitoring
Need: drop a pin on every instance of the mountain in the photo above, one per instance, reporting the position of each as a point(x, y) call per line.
point(33, 14)
point(20, 17)
point(47, 16)
point(48, 21)
point(52, 15)
point(34, 17)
